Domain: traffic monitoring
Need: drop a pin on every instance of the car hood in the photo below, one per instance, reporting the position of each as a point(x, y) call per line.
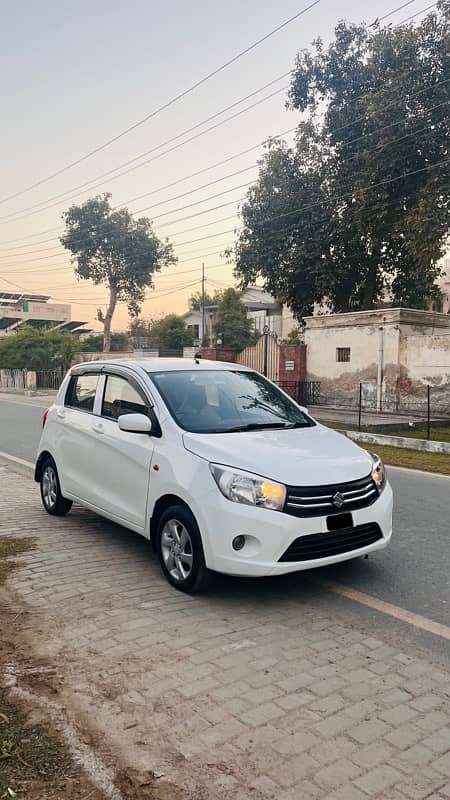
point(298, 457)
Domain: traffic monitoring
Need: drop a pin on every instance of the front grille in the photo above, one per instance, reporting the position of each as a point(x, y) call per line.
point(322, 545)
point(317, 501)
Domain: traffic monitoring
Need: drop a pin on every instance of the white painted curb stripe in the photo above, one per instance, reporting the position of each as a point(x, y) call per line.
point(397, 612)
point(16, 460)
point(419, 472)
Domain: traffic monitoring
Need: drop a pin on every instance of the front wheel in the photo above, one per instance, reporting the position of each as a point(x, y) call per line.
point(180, 550)
point(52, 499)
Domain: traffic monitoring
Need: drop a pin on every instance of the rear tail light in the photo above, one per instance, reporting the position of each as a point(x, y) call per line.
point(44, 418)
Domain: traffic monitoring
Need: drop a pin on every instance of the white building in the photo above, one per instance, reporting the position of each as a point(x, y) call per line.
point(264, 310)
point(22, 308)
point(443, 282)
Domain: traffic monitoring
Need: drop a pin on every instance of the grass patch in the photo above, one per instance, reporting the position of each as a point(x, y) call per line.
point(412, 459)
point(403, 457)
point(9, 547)
point(30, 757)
point(441, 434)
point(339, 426)
point(33, 764)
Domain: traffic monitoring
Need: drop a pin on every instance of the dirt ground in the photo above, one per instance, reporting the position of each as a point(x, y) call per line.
point(39, 759)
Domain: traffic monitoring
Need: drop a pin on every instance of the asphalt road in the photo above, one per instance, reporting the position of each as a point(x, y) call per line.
point(412, 573)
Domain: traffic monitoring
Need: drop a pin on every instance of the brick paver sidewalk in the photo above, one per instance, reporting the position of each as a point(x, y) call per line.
point(253, 692)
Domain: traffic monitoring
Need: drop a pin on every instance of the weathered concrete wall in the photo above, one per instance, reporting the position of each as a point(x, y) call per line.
point(427, 359)
point(415, 353)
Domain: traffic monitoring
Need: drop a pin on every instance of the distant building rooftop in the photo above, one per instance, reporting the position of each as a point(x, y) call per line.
point(25, 308)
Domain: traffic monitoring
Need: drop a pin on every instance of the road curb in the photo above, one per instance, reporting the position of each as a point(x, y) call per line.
point(18, 462)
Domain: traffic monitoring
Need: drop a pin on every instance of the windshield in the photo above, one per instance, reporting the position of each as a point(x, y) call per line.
point(225, 401)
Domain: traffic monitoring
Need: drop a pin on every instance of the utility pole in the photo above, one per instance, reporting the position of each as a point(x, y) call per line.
point(203, 304)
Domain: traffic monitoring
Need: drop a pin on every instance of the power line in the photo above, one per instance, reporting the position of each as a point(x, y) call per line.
point(169, 185)
point(299, 210)
point(48, 204)
point(342, 127)
point(246, 169)
point(417, 13)
point(389, 14)
point(160, 155)
point(334, 197)
point(235, 229)
point(166, 105)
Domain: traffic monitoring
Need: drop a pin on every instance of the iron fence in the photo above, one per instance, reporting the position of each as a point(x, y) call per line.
point(306, 393)
point(424, 413)
point(49, 379)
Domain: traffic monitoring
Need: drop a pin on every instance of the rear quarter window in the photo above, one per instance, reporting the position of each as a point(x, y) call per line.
point(81, 392)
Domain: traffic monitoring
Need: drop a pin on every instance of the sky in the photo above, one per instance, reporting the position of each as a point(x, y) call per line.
point(74, 75)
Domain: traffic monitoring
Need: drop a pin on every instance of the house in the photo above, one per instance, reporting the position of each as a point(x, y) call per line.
point(22, 308)
point(392, 352)
point(266, 313)
point(201, 326)
point(443, 282)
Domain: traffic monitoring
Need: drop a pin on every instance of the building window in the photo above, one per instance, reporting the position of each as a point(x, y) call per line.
point(343, 354)
point(195, 330)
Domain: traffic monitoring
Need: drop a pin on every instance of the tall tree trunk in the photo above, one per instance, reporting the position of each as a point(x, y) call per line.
point(108, 319)
point(370, 289)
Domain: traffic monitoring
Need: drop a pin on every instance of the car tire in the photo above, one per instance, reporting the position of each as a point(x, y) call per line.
point(52, 499)
point(180, 549)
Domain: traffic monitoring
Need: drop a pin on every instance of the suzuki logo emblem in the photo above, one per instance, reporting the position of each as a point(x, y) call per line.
point(338, 500)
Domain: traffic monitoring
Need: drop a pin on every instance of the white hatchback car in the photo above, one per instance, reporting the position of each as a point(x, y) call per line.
point(214, 464)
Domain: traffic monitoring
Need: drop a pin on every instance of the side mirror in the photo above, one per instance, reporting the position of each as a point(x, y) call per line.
point(135, 423)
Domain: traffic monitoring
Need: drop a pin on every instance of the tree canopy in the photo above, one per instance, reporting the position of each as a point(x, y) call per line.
point(232, 328)
point(94, 343)
point(110, 247)
point(28, 348)
point(357, 209)
point(195, 300)
point(166, 333)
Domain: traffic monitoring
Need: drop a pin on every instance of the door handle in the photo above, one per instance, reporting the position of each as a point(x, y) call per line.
point(97, 427)
point(61, 414)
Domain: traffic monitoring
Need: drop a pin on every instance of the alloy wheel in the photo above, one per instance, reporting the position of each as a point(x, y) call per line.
point(177, 550)
point(49, 486)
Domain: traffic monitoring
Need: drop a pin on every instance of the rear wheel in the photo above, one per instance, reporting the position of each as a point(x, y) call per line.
point(180, 550)
point(52, 499)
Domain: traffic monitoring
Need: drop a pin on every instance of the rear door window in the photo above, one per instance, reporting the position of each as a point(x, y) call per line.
point(81, 392)
point(120, 397)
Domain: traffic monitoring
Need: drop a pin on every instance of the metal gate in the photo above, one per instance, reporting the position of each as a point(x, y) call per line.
point(264, 356)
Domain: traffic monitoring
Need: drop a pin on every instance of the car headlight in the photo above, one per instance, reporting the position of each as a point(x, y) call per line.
point(242, 487)
point(378, 472)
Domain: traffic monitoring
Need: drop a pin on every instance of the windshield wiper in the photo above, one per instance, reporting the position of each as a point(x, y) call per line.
point(258, 426)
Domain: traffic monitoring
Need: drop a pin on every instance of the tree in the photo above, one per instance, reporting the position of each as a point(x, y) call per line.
point(110, 247)
point(173, 334)
point(29, 348)
point(195, 300)
point(232, 326)
point(168, 333)
point(358, 208)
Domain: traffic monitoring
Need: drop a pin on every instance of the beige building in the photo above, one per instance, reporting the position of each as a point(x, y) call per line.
point(394, 353)
point(21, 308)
point(443, 282)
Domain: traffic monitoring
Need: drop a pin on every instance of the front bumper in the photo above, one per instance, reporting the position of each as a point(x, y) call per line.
point(270, 533)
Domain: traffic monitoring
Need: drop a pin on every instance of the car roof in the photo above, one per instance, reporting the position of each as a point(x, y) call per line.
point(160, 364)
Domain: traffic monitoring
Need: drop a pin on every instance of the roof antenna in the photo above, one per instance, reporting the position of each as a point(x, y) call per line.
point(197, 357)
